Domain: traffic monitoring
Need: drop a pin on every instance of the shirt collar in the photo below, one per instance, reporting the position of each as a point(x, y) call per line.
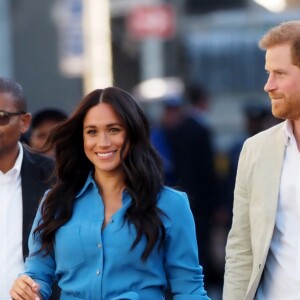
point(288, 131)
point(18, 162)
point(89, 181)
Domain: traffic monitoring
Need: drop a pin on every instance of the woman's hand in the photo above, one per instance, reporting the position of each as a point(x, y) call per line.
point(25, 288)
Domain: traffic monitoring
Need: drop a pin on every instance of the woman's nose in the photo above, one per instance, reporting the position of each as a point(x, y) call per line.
point(103, 140)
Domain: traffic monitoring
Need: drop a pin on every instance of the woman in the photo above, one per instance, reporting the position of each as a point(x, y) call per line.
point(109, 229)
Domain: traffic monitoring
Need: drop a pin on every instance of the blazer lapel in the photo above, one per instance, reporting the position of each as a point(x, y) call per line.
point(35, 172)
point(29, 195)
point(274, 154)
point(263, 212)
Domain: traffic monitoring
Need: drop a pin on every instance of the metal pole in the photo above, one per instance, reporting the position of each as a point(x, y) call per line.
point(152, 58)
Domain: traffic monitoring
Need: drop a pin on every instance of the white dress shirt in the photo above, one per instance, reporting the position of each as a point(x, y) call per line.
point(11, 219)
point(281, 279)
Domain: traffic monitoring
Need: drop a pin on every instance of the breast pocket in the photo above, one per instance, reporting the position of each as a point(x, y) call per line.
point(69, 251)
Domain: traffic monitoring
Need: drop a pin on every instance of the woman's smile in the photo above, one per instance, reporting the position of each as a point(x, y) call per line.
point(106, 155)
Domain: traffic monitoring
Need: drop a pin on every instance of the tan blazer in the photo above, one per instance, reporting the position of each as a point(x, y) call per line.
point(254, 211)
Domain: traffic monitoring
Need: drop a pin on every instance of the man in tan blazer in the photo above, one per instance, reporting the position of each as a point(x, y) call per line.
point(263, 246)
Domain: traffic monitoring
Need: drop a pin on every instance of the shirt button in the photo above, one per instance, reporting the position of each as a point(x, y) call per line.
point(99, 245)
point(98, 272)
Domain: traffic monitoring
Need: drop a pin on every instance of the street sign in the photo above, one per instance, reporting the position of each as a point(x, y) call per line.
point(151, 21)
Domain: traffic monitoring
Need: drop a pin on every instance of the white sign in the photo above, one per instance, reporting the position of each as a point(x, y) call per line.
point(68, 15)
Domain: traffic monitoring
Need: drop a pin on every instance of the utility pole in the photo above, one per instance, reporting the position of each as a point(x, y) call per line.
point(97, 45)
point(151, 25)
point(5, 34)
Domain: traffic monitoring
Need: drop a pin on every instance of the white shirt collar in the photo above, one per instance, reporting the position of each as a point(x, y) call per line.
point(18, 162)
point(288, 131)
point(16, 168)
point(11, 220)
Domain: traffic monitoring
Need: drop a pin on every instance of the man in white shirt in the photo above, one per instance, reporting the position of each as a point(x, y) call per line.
point(23, 180)
point(263, 247)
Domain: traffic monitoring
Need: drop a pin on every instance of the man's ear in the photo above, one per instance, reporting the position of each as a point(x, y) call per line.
point(25, 122)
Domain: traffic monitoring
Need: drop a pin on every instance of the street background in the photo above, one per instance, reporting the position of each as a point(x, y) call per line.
point(62, 49)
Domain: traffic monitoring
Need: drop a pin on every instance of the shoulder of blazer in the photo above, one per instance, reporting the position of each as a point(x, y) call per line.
point(270, 132)
point(268, 137)
point(36, 163)
point(36, 170)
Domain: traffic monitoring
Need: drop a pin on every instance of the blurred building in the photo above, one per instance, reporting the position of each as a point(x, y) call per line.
point(35, 56)
point(212, 41)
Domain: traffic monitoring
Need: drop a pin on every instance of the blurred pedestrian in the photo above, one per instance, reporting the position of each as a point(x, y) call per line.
point(256, 118)
point(263, 244)
point(172, 114)
point(23, 181)
point(193, 153)
point(42, 123)
point(109, 229)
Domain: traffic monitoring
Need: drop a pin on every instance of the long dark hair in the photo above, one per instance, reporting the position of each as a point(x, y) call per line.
point(142, 167)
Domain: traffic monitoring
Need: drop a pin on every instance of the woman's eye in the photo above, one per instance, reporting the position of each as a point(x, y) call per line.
point(114, 130)
point(91, 132)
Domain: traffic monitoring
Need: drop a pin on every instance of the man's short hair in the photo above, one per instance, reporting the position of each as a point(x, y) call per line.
point(15, 89)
